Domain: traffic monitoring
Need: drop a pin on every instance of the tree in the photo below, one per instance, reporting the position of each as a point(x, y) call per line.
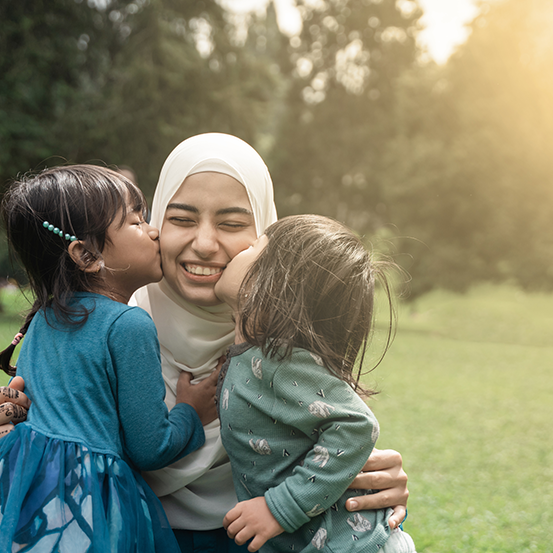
point(468, 176)
point(53, 55)
point(181, 72)
point(122, 82)
point(342, 91)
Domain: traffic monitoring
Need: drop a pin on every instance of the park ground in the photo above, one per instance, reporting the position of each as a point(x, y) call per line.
point(466, 396)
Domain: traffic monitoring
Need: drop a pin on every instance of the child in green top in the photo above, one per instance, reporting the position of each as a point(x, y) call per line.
point(291, 422)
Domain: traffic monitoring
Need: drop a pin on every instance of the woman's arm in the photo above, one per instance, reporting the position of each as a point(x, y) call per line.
point(383, 471)
point(13, 405)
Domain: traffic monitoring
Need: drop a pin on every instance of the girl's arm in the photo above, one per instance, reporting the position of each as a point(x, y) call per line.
point(200, 396)
point(152, 436)
point(318, 404)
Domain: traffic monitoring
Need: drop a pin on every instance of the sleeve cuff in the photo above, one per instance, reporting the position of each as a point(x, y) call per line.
point(188, 419)
point(285, 509)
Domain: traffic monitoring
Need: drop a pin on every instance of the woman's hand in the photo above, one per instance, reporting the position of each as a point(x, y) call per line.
point(252, 519)
point(14, 405)
point(383, 471)
point(201, 396)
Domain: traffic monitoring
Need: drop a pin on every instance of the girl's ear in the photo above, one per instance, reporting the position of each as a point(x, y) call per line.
point(85, 260)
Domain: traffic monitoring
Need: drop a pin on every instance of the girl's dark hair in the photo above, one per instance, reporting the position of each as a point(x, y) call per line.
point(81, 200)
point(313, 287)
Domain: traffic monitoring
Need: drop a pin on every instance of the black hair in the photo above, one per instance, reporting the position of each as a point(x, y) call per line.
point(313, 287)
point(82, 201)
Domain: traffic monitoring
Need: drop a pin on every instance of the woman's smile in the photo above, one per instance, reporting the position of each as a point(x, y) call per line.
point(197, 270)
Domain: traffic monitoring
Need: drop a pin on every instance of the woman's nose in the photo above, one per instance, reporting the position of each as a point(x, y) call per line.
point(205, 241)
point(153, 232)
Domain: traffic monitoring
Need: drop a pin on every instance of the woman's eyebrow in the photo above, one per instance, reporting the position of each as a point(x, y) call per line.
point(223, 211)
point(183, 207)
point(227, 210)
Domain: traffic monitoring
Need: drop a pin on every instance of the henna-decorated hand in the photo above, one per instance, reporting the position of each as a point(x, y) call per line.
point(14, 405)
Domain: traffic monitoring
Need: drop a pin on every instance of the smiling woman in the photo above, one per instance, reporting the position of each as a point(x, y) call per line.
point(208, 221)
point(213, 198)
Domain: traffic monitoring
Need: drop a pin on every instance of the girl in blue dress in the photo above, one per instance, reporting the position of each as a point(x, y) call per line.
point(291, 422)
point(69, 477)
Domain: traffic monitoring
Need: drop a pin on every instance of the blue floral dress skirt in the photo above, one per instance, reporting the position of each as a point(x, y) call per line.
point(58, 496)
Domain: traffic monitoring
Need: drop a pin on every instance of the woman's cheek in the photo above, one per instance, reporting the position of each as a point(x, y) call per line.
point(240, 243)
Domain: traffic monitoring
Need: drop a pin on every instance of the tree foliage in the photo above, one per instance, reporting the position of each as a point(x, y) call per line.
point(468, 174)
point(451, 162)
point(53, 57)
point(340, 107)
point(123, 81)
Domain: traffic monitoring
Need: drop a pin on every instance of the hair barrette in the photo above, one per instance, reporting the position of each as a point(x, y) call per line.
point(56, 230)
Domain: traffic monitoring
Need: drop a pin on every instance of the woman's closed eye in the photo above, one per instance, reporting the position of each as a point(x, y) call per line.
point(234, 225)
point(181, 220)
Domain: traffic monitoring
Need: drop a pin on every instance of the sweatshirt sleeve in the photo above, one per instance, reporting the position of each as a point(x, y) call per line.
point(152, 436)
point(344, 429)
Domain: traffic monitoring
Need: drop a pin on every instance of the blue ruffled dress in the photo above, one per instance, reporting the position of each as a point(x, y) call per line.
point(69, 479)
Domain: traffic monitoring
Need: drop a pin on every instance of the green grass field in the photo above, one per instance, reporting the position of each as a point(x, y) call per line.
point(466, 397)
point(13, 305)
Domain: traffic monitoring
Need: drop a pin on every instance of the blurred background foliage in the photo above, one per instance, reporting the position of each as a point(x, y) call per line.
point(446, 167)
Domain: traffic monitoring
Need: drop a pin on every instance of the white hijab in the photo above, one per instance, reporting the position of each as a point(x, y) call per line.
point(192, 338)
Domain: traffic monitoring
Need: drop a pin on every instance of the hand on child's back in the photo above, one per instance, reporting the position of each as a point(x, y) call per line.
point(201, 396)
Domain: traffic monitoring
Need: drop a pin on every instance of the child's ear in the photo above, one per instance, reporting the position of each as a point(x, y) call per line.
point(85, 260)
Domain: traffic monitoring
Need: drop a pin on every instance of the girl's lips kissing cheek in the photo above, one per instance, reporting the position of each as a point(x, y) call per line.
point(202, 273)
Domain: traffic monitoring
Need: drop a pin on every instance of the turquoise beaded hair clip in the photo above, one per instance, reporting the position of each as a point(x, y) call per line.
point(56, 230)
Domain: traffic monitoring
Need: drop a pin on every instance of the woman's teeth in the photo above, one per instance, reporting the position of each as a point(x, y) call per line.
point(205, 271)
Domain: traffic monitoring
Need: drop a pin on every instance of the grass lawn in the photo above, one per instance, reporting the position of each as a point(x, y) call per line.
point(13, 305)
point(466, 397)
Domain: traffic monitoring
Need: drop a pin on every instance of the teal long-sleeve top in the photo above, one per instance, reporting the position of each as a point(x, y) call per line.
point(298, 435)
point(100, 384)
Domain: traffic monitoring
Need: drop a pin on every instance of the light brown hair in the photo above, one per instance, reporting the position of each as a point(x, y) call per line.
point(313, 287)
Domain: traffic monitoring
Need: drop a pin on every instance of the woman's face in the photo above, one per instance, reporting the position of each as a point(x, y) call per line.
point(207, 222)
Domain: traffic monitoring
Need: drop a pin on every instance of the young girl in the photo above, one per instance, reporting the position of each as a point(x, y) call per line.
point(291, 422)
point(91, 365)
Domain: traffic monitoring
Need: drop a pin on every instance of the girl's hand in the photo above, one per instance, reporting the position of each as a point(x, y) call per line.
point(252, 519)
point(201, 396)
point(383, 471)
point(14, 405)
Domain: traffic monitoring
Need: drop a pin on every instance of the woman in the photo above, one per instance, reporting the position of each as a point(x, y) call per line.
point(213, 198)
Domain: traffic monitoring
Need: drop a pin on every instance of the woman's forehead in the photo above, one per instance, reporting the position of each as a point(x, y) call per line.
point(213, 191)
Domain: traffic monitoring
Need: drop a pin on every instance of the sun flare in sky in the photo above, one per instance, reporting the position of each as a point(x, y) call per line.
point(444, 24)
point(444, 21)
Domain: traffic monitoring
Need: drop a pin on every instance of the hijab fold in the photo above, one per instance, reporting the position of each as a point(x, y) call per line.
point(192, 338)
